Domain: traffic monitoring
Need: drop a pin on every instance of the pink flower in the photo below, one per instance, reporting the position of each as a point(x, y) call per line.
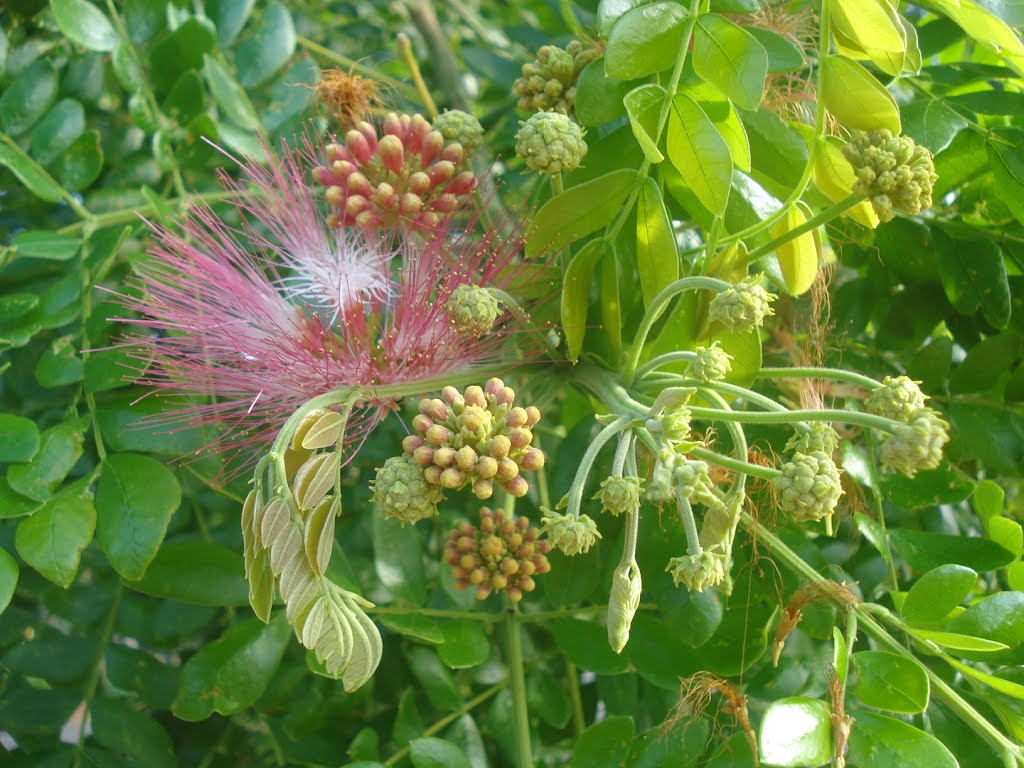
point(250, 322)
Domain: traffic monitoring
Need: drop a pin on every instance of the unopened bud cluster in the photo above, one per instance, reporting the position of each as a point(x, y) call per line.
point(819, 437)
point(549, 82)
point(405, 177)
point(460, 127)
point(500, 554)
point(472, 310)
point(620, 494)
point(698, 572)
point(402, 490)
point(477, 437)
point(571, 534)
point(809, 487)
point(917, 444)
point(550, 143)
point(712, 364)
point(893, 172)
point(743, 306)
point(674, 474)
point(898, 399)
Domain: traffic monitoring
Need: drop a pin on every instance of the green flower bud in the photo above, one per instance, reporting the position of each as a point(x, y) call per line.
point(572, 535)
point(549, 81)
point(472, 310)
point(897, 399)
point(821, 438)
point(675, 474)
point(712, 364)
point(623, 602)
point(403, 492)
point(893, 172)
point(809, 487)
point(620, 494)
point(917, 444)
point(698, 572)
point(456, 125)
point(744, 306)
point(550, 143)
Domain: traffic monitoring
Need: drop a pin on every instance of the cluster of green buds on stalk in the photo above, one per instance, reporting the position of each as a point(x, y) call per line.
point(652, 408)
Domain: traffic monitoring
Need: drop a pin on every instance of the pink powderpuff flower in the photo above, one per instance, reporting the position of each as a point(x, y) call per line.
point(245, 324)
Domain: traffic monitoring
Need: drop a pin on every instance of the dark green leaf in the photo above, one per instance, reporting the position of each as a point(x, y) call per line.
point(796, 732)
point(230, 16)
point(52, 539)
point(131, 733)
point(883, 742)
point(59, 365)
point(985, 363)
point(1006, 156)
point(605, 744)
point(83, 23)
point(891, 682)
point(57, 130)
point(180, 51)
point(144, 18)
point(465, 644)
point(938, 592)
point(931, 123)
point(196, 572)
point(46, 245)
point(974, 277)
point(156, 683)
point(81, 164)
point(436, 753)
point(927, 489)
point(599, 97)
point(8, 579)
point(575, 300)
point(924, 550)
point(730, 58)
point(19, 438)
point(398, 560)
point(267, 48)
point(59, 449)
point(783, 54)
point(435, 678)
point(585, 643)
point(412, 625)
point(28, 98)
point(645, 40)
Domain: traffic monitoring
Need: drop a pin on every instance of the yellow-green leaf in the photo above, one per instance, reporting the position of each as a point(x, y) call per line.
point(699, 153)
point(576, 295)
point(657, 259)
point(856, 98)
point(866, 23)
point(799, 257)
point(730, 57)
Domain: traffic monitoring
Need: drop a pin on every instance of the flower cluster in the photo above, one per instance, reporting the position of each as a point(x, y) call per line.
point(501, 554)
point(549, 81)
point(403, 492)
point(620, 494)
point(818, 437)
point(551, 143)
point(698, 572)
point(674, 474)
point(893, 172)
point(571, 534)
point(809, 487)
point(460, 127)
point(477, 437)
point(898, 399)
point(712, 364)
point(743, 306)
point(472, 310)
point(917, 444)
point(405, 177)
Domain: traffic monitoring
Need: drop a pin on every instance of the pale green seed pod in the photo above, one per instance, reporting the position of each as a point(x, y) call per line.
point(620, 494)
point(472, 310)
point(459, 126)
point(809, 487)
point(917, 444)
point(403, 492)
point(744, 306)
point(898, 399)
point(551, 143)
point(712, 364)
point(572, 535)
point(698, 572)
point(623, 602)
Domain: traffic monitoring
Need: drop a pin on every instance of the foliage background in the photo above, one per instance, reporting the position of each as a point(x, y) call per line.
point(104, 111)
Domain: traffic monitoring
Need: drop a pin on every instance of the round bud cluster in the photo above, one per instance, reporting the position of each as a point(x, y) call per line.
point(572, 535)
point(620, 494)
point(472, 310)
point(809, 487)
point(500, 554)
point(477, 438)
point(549, 82)
point(403, 492)
point(917, 444)
point(712, 364)
point(893, 172)
point(550, 143)
point(460, 127)
point(675, 474)
point(406, 177)
point(673, 425)
point(821, 437)
point(897, 399)
point(743, 306)
point(698, 572)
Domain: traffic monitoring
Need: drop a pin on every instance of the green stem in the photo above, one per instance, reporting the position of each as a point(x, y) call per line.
point(621, 451)
point(96, 670)
point(876, 492)
point(743, 467)
point(336, 58)
point(579, 723)
point(693, 546)
point(804, 372)
point(132, 215)
point(866, 420)
point(587, 462)
point(813, 223)
point(666, 359)
point(521, 717)
point(435, 612)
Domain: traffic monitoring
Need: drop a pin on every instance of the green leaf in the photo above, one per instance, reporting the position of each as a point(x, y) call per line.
point(35, 179)
point(657, 259)
point(924, 550)
point(599, 97)
point(60, 447)
point(799, 257)
point(51, 540)
point(434, 678)
point(783, 54)
point(398, 559)
point(57, 130)
point(28, 98)
point(156, 683)
point(547, 698)
point(196, 572)
point(1006, 158)
point(229, 94)
point(605, 744)
point(14, 504)
point(1006, 533)
point(988, 500)
point(928, 488)
point(796, 732)
point(611, 302)
point(436, 753)
point(465, 644)
point(884, 742)
point(109, 369)
point(179, 52)
point(84, 24)
point(231, 673)
point(643, 105)
point(1016, 690)
point(931, 123)
point(856, 98)
point(610, 11)
point(412, 625)
point(575, 299)
point(865, 23)
point(268, 47)
point(135, 500)
point(973, 275)
point(985, 363)
point(8, 579)
point(131, 733)
point(938, 592)
point(891, 682)
point(958, 642)
point(999, 617)
point(699, 153)
point(19, 438)
point(46, 245)
point(579, 211)
point(229, 16)
point(59, 365)
point(79, 166)
point(645, 40)
point(731, 58)
point(585, 643)
point(16, 305)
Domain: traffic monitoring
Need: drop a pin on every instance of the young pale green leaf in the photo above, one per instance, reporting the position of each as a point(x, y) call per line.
point(891, 682)
point(28, 98)
point(1010, 688)
point(196, 572)
point(19, 438)
point(938, 592)
point(796, 732)
point(135, 500)
point(59, 449)
point(8, 579)
point(132, 733)
point(575, 299)
point(988, 500)
point(436, 753)
point(643, 105)
point(267, 48)
point(645, 40)
point(84, 24)
point(884, 742)
point(657, 257)
point(605, 744)
point(579, 211)
point(988, 29)
point(57, 130)
point(699, 153)
point(231, 673)
point(958, 642)
point(866, 24)
point(465, 644)
point(611, 303)
point(799, 257)
point(731, 58)
point(856, 98)
point(51, 540)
